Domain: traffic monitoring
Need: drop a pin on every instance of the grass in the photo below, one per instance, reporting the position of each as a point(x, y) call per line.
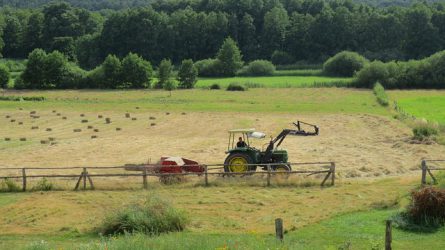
point(282, 80)
point(320, 100)
point(428, 104)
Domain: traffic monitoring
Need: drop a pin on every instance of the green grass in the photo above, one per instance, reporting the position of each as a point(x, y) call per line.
point(359, 230)
point(298, 100)
point(428, 104)
point(283, 80)
point(298, 72)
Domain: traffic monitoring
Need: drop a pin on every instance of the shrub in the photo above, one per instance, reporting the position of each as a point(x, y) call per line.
point(136, 72)
point(258, 68)
point(215, 86)
point(281, 58)
point(380, 93)
point(235, 87)
point(4, 76)
point(424, 130)
point(425, 212)
point(345, 63)
point(208, 67)
point(8, 185)
point(187, 74)
point(164, 73)
point(230, 58)
point(153, 217)
point(43, 185)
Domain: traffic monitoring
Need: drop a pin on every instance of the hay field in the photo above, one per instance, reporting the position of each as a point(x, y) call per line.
point(363, 145)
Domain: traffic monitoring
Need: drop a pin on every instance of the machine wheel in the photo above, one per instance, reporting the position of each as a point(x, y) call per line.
point(282, 168)
point(237, 163)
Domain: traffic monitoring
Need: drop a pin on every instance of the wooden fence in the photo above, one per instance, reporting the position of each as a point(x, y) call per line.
point(85, 178)
point(428, 166)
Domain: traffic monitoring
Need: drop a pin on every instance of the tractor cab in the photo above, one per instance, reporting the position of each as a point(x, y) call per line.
point(243, 135)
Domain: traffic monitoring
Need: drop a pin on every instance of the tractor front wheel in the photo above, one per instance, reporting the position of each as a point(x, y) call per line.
point(237, 163)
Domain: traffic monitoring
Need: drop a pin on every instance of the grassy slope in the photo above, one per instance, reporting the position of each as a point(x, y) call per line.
point(320, 100)
point(429, 104)
point(278, 81)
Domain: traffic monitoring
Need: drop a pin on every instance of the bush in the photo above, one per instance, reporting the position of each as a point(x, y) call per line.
point(22, 98)
point(235, 87)
point(258, 68)
point(8, 185)
point(380, 93)
point(187, 74)
point(424, 130)
point(229, 58)
point(153, 217)
point(208, 67)
point(425, 212)
point(4, 76)
point(215, 86)
point(345, 64)
point(43, 185)
point(281, 58)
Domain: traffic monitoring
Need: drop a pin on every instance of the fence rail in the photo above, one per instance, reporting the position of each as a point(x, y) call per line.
point(146, 171)
point(426, 169)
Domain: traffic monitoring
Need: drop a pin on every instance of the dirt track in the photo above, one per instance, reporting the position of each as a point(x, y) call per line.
point(362, 145)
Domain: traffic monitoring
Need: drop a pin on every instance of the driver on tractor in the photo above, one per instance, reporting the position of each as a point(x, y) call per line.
point(241, 143)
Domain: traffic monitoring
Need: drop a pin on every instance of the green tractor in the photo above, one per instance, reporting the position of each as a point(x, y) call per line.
point(244, 158)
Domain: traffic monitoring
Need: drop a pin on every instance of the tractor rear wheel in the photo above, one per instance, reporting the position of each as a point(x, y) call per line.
point(282, 168)
point(237, 163)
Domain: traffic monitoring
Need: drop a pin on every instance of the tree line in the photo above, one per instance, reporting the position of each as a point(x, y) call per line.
point(284, 31)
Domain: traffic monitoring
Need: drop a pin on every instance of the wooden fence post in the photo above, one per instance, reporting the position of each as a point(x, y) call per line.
point(332, 173)
point(279, 229)
point(144, 178)
point(388, 235)
point(23, 179)
point(268, 175)
point(84, 178)
point(424, 168)
point(206, 176)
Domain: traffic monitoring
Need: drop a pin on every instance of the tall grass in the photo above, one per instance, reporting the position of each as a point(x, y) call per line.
point(153, 217)
point(380, 93)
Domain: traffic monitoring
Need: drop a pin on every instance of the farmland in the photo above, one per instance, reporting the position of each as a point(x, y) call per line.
point(193, 123)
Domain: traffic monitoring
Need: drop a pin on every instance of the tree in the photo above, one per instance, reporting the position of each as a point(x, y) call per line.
point(56, 70)
point(4, 76)
point(33, 76)
point(32, 38)
point(136, 71)
point(164, 73)
point(229, 58)
point(169, 85)
point(112, 70)
point(274, 33)
point(247, 38)
point(12, 37)
point(187, 74)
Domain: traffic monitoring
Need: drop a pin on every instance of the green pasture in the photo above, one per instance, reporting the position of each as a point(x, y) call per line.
point(359, 230)
point(428, 104)
point(296, 100)
point(284, 79)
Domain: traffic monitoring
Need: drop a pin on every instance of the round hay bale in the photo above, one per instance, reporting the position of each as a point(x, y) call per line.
point(100, 116)
point(49, 129)
point(118, 129)
point(20, 108)
point(54, 111)
point(20, 123)
point(134, 119)
point(82, 115)
point(35, 127)
point(108, 120)
point(137, 107)
point(23, 139)
point(35, 116)
point(58, 114)
point(53, 143)
point(77, 130)
point(7, 139)
point(153, 124)
point(127, 115)
point(12, 120)
point(64, 118)
point(32, 112)
point(96, 130)
point(8, 116)
point(183, 113)
point(152, 118)
point(43, 142)
point(167, 113)
point(84, 121)
point(90, 127)
point(93, 136)
point(51, 139)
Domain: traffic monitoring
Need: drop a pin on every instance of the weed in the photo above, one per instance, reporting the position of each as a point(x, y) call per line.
point(8, 185)
point(43, 185)
point(380, 93)
point(236, 87)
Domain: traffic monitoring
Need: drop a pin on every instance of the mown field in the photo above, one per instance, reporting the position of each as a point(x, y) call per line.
point(377, 168)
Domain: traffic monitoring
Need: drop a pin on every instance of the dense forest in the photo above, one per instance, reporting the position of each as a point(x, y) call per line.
point(284, 31)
